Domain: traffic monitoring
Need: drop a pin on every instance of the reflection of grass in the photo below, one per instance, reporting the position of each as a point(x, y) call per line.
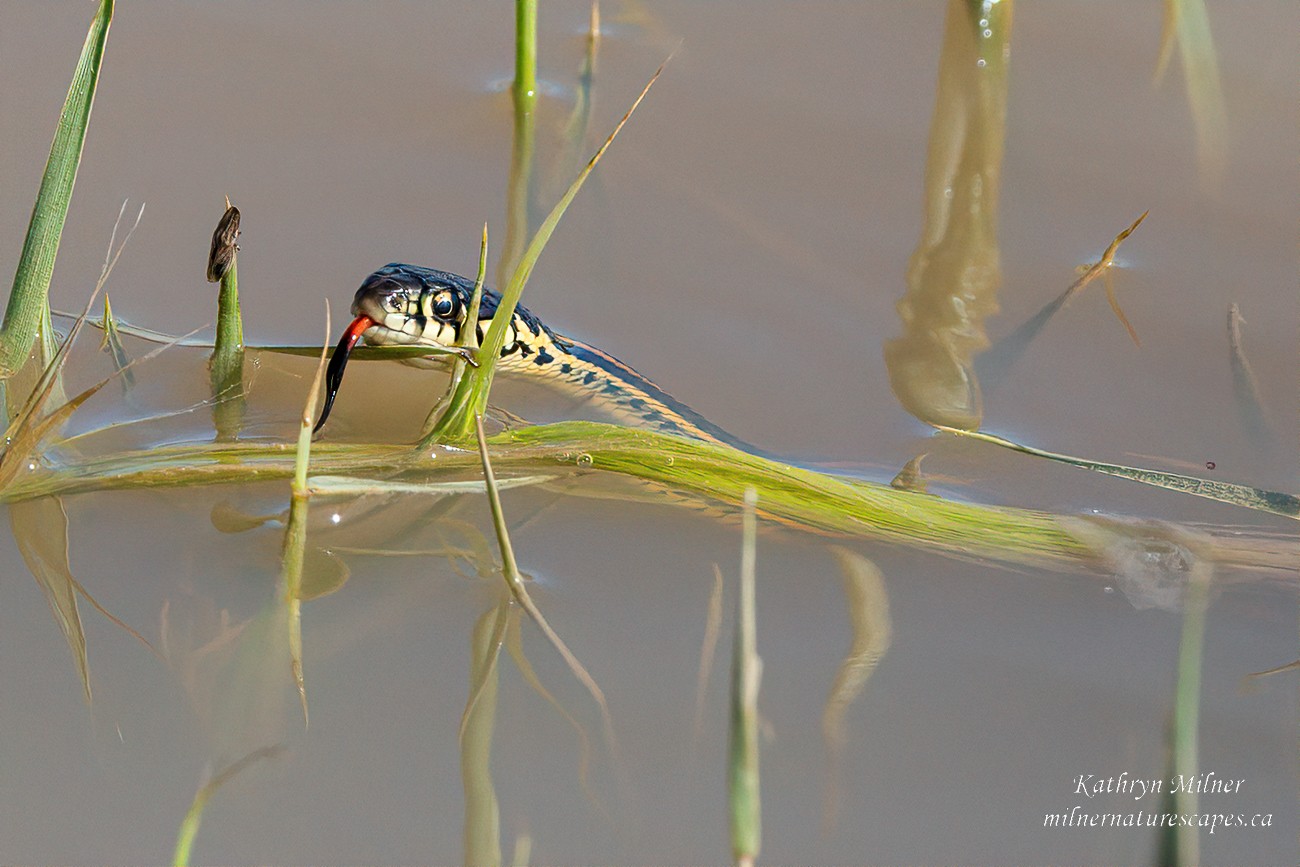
point(1181, 845)
point(190, 824)
point(1187, 24)
point(295, 531)
point(743, 788)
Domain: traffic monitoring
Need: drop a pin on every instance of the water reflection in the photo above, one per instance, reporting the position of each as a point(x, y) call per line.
point(953, 277)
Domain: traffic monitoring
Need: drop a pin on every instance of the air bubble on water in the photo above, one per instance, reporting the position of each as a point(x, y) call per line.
point(1151, 561)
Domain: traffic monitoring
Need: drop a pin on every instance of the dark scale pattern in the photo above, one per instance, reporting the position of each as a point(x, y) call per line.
point(583, 368)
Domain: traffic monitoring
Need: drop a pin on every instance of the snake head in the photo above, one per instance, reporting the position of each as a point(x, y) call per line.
point(401, 305)
point(410, 305)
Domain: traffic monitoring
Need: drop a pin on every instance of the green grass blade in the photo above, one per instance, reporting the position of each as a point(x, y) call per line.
point(468, 341)
point(28, 310)
point(1274, 502)
point(226, 367)
point(295, 531)
point(746, 673)
point(470, 397)
point(523, 151)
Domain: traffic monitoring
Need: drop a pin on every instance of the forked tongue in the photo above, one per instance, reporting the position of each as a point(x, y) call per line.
point(334, 373)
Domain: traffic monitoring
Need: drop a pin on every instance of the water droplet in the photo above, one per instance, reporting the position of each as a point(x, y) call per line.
point(980, 63)
point(336, 518)
point(984, 22)
point(669, 460)
point(584, 460)
point(988, 33)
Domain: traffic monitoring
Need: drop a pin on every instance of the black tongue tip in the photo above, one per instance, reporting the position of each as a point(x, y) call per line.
point(338, 362)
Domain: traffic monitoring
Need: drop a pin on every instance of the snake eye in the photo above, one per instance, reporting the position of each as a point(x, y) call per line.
point(444, 304)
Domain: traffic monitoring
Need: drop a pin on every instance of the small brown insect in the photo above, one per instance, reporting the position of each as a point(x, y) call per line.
point(224, 248)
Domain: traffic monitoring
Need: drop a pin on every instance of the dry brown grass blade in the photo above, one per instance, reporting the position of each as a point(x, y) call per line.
point(1102, 267)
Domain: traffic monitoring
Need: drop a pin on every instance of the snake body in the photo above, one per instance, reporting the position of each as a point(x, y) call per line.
point(411, 305)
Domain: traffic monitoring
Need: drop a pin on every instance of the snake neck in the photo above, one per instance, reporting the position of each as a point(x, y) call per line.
point(578, 368)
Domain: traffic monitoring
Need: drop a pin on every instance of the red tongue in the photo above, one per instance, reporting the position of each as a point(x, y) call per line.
point(334, 374)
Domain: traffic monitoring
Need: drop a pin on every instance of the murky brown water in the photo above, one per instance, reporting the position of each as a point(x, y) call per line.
point(756, 221)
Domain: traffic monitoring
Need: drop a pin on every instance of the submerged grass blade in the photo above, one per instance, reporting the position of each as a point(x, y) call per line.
point(27, 314)
point(746, 674)
point(1273, 502)
point(190, 824)
point(471, 396)
point(40, 528)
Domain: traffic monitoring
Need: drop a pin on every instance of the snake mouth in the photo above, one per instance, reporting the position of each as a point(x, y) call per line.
point(339, 361)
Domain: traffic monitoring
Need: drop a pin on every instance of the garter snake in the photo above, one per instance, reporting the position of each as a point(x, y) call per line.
point(410, 305)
